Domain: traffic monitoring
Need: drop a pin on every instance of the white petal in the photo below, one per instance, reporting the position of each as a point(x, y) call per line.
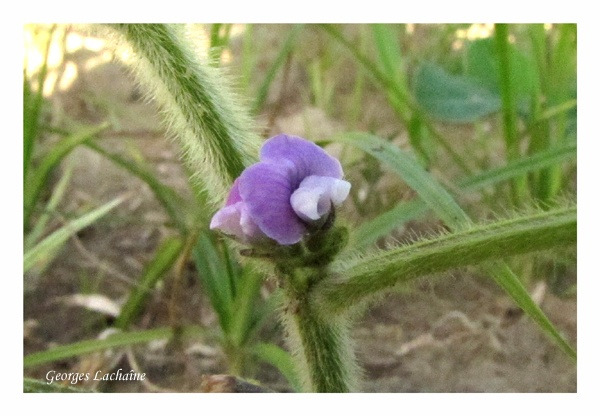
point(313, 198)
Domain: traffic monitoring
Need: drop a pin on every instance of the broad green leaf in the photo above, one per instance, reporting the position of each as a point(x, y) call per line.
point(116, 340)
point(165, 256)
point(483, 66)
point(440, 201)
point(43, 252)
point(453, 98)
point(281, 360)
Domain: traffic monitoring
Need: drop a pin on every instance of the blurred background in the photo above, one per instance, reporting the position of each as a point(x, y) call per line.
point(121, 271)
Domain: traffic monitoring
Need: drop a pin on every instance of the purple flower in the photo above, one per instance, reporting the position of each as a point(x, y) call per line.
point(293, 187)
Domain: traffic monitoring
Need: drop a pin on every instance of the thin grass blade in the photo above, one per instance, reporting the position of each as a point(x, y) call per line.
point(39, 178)
point(43, 252)
point(165, 256)
point(281, 360)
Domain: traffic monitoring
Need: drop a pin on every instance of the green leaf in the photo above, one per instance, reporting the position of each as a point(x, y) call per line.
point(43, 252)
point(174, 204)
point(41, 222)
point(370, 231)
point(453, 98)
point(483, 66)
point(215, 276)
point(245, 317)
point(39, 178)
point(284, 52)
point(165, 256)
point(39, 386)
point(32, 107)
point(519, 167)
point(440, 201)
point(411, 171)
point(214, 130)
point(475, 245)
point(92, 345)
point(281, 360)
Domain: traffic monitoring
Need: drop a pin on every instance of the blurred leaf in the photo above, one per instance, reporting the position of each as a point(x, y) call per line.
point(284, 52)
point(32, 107)
point(452, 97)
point(518, 167)
point(42, 253)
point(165, 256)
point(173, 203)
point(244, 318)
point(41, 386)
point(440, 201)
point(39, 178)
point(215, 277)
point(370, 231)
point(92, 345)
point(281, 360)
point(40, 224)
point(483, 66)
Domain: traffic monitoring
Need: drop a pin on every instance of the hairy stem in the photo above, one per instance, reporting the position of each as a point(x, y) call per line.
point(321, 347)
point(214, 130)
point(473, 246)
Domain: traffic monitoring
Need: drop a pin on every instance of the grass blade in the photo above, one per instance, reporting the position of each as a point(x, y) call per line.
point(281, 360)
point(520, 167)
point(55, 198)
point(46, 250)
point(39, 178)
point(370, 231)
point(165, 256)
point(38, 386)
point(509, 108)
point(440, 201)
point(428, 189)
point(283, 53)
point(245, 318)
point(215, 278)
point(167, 196)
point(92, 345)
point(32, 107)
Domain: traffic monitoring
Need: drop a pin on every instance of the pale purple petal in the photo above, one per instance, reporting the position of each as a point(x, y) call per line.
point(266, 189)
point(306, 158)
point(315, 195)
point(234, 220)
point(227, 220)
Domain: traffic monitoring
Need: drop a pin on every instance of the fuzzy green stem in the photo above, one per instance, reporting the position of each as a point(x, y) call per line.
point(214, 130)
point(321, 347)
point(498, 240)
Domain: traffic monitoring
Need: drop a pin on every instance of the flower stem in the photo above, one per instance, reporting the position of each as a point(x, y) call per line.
point(321, 347)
